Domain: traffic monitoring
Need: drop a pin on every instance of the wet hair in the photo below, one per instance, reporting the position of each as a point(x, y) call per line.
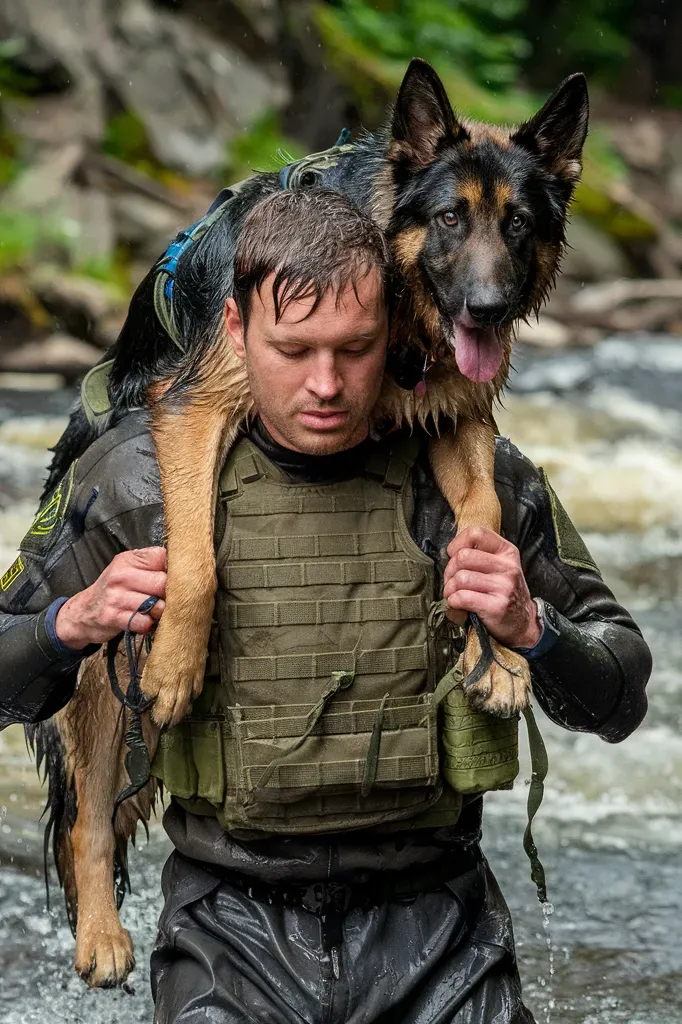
point(312, 242)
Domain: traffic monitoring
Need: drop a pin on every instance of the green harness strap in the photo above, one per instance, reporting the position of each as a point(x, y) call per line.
point(539, 764)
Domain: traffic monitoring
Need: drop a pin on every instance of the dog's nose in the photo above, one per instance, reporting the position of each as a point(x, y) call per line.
point(487, 308)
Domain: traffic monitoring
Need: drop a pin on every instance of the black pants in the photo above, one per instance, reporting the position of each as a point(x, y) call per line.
point(446, 957)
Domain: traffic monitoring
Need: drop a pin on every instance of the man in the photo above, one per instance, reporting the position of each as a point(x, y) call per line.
point(345, 898)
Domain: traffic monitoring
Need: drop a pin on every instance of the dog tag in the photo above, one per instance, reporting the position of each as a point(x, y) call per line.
point(420, 388)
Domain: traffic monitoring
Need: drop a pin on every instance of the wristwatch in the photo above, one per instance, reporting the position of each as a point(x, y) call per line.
point(549, 632)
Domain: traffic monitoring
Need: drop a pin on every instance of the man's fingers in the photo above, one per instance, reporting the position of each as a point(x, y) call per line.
point(477, 537)
point(481, 582)
point(140, 623)
point(157, 610)
point(483, 561)
point(478, 561)
point(472, 601)
point(153, 559)
point(139, 581)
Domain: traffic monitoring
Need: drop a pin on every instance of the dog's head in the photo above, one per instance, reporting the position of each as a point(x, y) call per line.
point(477, 213)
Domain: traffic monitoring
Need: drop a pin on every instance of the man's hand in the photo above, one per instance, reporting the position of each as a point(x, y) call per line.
point(103, 610)
point(484, 576)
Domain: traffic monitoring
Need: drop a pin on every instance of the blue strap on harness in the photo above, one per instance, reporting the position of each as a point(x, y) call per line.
point(291, 176)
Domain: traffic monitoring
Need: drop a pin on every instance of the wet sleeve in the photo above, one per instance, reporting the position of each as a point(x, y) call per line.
point(592, 677)
point(109, 501)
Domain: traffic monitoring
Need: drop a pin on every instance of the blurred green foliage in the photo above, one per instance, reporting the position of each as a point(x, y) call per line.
point(15, 81)
point(263, 147)
point(481, 37)
point(495, 42)
point(26, 237)
point(125, 137)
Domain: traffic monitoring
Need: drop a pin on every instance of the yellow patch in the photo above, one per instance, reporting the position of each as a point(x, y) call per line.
point(15, 570)
point(50, 515)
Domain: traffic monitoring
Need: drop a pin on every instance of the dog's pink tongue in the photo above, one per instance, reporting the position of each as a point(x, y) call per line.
point(478, 352)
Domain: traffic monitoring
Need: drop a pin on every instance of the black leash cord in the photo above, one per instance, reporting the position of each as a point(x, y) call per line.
point(137, 761)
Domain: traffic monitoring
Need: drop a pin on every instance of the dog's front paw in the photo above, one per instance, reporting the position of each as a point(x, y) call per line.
point(504, 688)
point(172, 682)
point(173, 675)
point(104, 956)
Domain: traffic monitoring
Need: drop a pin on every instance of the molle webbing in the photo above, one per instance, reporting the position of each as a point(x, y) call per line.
point(323, 718)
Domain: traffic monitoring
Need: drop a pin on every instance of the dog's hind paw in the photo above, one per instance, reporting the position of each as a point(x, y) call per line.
point(504, 689)
point(104, 958)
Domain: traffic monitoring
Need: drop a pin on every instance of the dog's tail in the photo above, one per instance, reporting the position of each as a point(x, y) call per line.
point(61, 809)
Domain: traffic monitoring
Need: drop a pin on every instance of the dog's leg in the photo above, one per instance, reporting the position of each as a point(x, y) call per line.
point(92, 734)
point(189, 443)
point(463, 466)
point(91, 729)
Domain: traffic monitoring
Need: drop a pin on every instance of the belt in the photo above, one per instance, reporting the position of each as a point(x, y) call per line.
point(331, 901)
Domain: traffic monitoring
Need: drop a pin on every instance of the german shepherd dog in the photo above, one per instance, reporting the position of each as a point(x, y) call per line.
point(475, 216)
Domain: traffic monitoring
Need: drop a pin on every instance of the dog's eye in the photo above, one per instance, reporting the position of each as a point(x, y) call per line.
point(518, 222)
point(449, 218)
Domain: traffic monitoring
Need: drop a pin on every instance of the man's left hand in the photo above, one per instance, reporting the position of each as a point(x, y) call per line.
point(484, 576)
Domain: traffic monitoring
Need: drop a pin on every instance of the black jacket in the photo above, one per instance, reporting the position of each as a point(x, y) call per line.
point(592, 679)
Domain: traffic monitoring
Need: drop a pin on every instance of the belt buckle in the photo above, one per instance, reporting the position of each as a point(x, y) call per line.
point(325, 897)
point(312, 898)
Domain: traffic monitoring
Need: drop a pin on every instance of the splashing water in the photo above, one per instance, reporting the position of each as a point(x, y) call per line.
point(548, 982)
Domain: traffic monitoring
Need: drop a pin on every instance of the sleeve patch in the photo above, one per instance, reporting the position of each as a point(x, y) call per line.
point(571, 548)
point(13, 573)
point(50, 515)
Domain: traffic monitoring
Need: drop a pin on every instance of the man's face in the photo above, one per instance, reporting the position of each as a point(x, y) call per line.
point(315, 377)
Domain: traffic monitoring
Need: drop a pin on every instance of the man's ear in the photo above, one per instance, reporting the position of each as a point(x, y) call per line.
point(235, 328)
point(423, 119)
point(557, 132)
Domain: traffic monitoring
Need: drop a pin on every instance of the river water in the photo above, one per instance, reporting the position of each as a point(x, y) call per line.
point(607, 426)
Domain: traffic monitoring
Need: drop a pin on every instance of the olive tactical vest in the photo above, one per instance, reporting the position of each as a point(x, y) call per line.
point(321, 715)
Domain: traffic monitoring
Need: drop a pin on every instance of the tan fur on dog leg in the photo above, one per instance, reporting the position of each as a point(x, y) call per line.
point(464, 467)
point(91, 729)
point(191, 442)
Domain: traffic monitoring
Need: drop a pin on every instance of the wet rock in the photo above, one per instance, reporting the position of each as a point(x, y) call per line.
point(146, 226)
point(642, 143)
point(87, 216)
point(78, 303)
point(18, 383)
point(61, 37)
point(545, 333)
point(44, 181)
point(191, 91)
point(59, 353)
point(591, 255)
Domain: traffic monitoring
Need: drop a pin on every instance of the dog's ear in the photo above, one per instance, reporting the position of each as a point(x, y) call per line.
point(557, 132)
point(423, 120)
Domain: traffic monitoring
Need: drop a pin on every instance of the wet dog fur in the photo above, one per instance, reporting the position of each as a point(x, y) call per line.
point(476, 219)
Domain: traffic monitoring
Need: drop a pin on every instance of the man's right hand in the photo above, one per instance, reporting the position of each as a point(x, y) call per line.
point(103, 610)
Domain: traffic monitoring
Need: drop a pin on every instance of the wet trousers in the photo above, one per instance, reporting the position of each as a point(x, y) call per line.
point(443, 957)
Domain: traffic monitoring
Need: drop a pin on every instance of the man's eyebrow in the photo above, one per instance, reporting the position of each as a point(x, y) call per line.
point(369, 335)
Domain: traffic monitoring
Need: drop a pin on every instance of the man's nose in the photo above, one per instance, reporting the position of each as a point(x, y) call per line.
point(324, 380)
